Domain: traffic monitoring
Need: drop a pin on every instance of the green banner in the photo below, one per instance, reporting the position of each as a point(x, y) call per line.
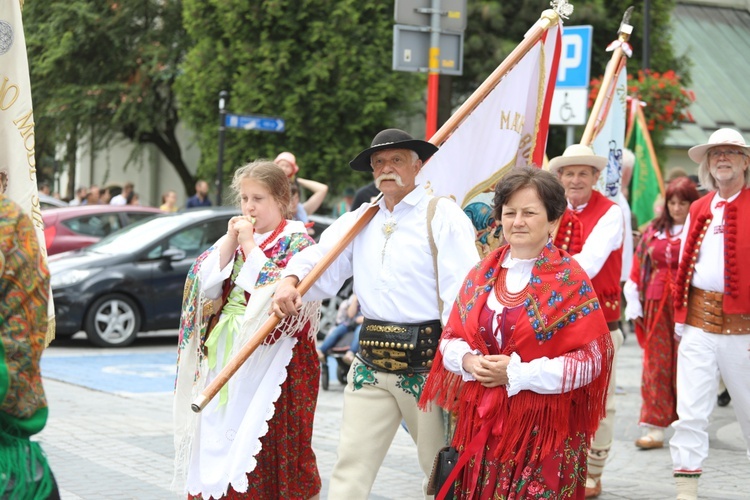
point(646, 183)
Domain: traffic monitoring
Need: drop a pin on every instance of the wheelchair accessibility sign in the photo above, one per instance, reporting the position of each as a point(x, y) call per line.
point(570, 99)
point(569, 107)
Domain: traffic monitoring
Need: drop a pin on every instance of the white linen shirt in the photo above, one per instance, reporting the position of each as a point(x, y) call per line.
point(542, 375)
point(394, 278)
point(605, 238)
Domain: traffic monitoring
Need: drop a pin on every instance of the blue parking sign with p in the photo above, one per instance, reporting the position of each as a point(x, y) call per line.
point(574, 69)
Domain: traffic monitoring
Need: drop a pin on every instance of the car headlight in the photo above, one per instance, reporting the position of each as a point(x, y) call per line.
point(70, 277)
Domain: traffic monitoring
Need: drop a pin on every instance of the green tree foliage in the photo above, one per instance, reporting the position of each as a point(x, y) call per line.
point(496, 27)
point(324, 66)
point(104, 69)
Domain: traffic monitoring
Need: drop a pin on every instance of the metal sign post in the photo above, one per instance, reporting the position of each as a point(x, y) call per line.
point(418, 42)
point(223, 98)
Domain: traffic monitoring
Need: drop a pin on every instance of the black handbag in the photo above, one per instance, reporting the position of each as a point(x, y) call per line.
point(445, 461)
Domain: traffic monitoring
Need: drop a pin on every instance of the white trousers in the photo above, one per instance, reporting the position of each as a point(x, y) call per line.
point(701, 358)
point(375, 402)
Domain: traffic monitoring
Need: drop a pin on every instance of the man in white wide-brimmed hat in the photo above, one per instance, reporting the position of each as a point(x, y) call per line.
point(591, 230)
point(712, 304)
point(395, 280)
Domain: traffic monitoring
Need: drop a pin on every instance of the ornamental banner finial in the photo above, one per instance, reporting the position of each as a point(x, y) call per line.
point(562, 7)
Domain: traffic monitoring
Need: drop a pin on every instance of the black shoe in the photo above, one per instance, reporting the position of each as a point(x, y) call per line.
point(724, 398)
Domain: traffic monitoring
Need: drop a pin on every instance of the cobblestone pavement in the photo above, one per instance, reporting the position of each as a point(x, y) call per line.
point(116, 444)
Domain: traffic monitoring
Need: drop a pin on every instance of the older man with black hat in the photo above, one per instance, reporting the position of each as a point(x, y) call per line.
point(712, 304)
point(407, 262)
point(591, 230)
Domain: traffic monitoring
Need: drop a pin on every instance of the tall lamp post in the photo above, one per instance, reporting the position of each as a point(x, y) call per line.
point(223, 98)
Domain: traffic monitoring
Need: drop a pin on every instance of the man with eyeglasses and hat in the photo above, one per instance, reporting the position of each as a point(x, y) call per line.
point(402, 291)
point(591, 230)
point(712, 304)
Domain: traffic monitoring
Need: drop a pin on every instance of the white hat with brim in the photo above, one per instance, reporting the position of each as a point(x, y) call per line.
point(577, 155)
point(722, 137)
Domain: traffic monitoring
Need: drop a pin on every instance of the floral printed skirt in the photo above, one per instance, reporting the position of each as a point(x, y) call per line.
point(562, 474)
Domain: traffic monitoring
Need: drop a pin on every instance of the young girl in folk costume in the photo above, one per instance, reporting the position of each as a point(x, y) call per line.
point(524, 360)
point(253, 440)
point(649, 296)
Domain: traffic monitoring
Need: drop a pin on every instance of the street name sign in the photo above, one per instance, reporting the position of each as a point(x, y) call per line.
point(255, 122)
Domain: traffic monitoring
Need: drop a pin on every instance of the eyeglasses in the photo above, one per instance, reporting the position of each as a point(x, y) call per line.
point(729, 154)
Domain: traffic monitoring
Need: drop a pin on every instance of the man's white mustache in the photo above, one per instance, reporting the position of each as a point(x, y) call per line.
point(389, 177)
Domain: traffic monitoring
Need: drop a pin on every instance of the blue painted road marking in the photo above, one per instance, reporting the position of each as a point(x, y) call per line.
point(115, 373)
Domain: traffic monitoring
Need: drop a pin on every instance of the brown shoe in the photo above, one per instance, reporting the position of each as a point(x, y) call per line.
point(321, 355)
point(648, 442)
point(593, 487)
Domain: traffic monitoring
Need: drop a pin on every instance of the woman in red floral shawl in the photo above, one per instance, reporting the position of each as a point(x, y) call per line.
point(648, 295)
point(524, 360)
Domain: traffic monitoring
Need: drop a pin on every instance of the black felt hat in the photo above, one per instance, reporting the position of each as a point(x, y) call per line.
point(392, 138)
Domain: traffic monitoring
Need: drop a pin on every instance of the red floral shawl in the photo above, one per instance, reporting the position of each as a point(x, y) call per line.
point(563, 316)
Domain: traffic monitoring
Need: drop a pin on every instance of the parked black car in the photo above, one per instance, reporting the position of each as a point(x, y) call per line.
point(133, 279)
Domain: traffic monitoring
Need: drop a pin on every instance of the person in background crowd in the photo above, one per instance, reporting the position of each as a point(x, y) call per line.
point(44, 188)
point(169, 201)
point(648, 297)
point(345, 204)
point(524, 360)
point(401, 294)
point(674, 173)
point(200, 198)
point(288, 163)
point(24, 289)
point(254, 440)
point(628, 161)
point(106, 197)
point(79, 197)
point(133, 199)
point(348, 318)
point(591, 230)
point(93, 197)
point(123, 197)
point(365, 194)
point(712, 304)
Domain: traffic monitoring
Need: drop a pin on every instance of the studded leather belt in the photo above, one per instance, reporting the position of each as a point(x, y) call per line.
point(705, 312)
point(399, 347)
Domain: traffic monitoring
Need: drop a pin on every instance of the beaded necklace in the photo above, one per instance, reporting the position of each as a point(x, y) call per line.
point(270, 238)
point(503, 295)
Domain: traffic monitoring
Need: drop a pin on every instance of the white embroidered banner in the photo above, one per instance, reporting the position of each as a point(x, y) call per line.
point(17, 140)
point(507, 129)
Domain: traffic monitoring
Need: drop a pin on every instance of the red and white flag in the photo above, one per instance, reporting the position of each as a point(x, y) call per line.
point(507, 129)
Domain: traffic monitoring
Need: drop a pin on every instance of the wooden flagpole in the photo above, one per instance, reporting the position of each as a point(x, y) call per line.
point(548, 19)
point(606, 91)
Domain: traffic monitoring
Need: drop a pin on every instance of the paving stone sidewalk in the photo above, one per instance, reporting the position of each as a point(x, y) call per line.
point(119, 446)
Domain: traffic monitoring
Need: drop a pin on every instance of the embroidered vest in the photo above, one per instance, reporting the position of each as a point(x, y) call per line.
point(736, 243)
point(573, 232)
